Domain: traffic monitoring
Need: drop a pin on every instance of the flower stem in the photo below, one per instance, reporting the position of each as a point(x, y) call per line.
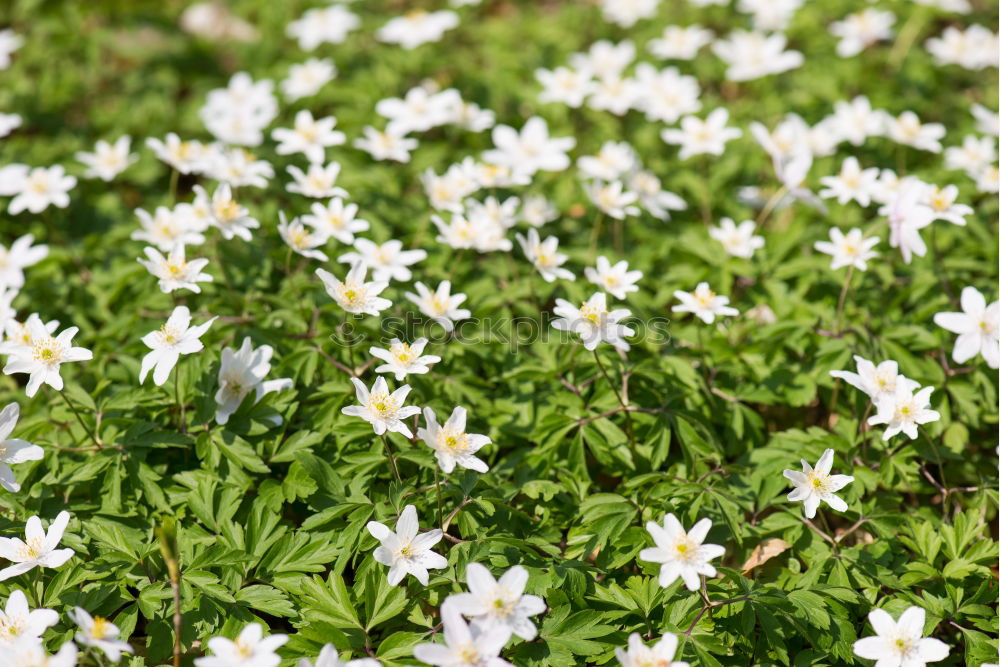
point(174, 176)
point(595, 232)
point(621, 401)
point(771, 203)
point(440, 504)
point(843, 297)
point(177, 391)
point(79, 418)
point(391, 457)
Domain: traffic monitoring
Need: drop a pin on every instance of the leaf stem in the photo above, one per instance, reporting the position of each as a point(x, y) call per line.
point(79, 418)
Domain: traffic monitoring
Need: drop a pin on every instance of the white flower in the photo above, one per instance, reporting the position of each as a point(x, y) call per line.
point(900, 643)
point(238, 168)
point(108, 160)
point(988, 179)
point(19, 336)
point(440, 305)
point(12, 178)
point(850, 250)
point(860, 30)
point(975, 48)
point(564, 85)
point(165, 228)
point(10, 42)
point(30, 654)
point(612, 198)
point(613, 94)
point(855, 121)
point(751, 55)
point(20, 256)
point(336, 219)
point(500, 604)
point(680, 42)
point(184, 156)
point(813, 485)
point(404, 551)
point(536, 210)
point(388, 145)
point(682, 554)
point(545, 256)
point(402, 358)
point(471, 116)
point(418, 111)
point(384, 411)
point(299, 239)
point(530, 150)
point(464, 646)
point(975, 154)
point(903, 411)
point(604, 58)
point(625, 13)
point(704, 303)
point(875, 381)
point(615, 160)
point(242, 372)
point(987, 120)
point(593, 323)
point(19, 624)
point(167, 343)
point(8, 123)
point(174, 271)
point(698, 136)
point(42, 187)
point(666, 94)
point(227, 215)
point(328, 657)
point(38, 548)
point(238, 113)
point(319, 182)
point(43, 359)
point(417, 27)
point(909, 131)
point(388, 261)
point(321, 25)
point(354, 294)
point(100, 633)
point(450, 442)
point(977, 326)
point(943, 202)
point(616, 279)
point(251, 648)
point(306, 79)
point(851, 183)
point(640, 655)
point(738, 240)
point(907, 216)
point(309, 136)
point(652, 197)
point(12, 451)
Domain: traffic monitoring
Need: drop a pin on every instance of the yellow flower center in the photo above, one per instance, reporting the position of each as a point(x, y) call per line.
point(100, 628)
point(32, 549)
point(47, 351)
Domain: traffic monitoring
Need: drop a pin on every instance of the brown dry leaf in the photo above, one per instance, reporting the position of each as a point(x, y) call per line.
point(764, 552)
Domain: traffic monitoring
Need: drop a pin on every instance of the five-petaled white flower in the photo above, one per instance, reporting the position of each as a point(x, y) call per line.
point(900, 643)
point(698, 136)
point(298, 237)
point(977, 326)
point(704, 303)
point(250, 649)
point(660, 654)
point(336, 219)
point(813, 485)
point(682, 554)
point(167, 343)
point(309, 136)
point(903, 411)
point(241, 372)
point(464, 646)
point(46, 353)
point(18, 257)
point(404, 550)
point(544, 255)
point(876, 381)
point(404, 358)
point(440, 305)
point(108, 160)
point(616, 279)
point(38, 549)
point(328, 657)
point(384, 411)
point(450, 442)
point(13, 450)
point(501, 604)
point(40, 188)
point(174, 271)
point(851, 249)
point(354, 294)
point(100, 633)
point(593, 322)
point(388, 261)
point(20, 623)
point(737, 240)
point(318, 182)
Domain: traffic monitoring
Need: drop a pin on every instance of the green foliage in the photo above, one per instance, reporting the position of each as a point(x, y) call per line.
point(269, 522)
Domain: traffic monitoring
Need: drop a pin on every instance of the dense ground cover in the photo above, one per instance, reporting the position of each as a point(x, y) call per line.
point(186, 490)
